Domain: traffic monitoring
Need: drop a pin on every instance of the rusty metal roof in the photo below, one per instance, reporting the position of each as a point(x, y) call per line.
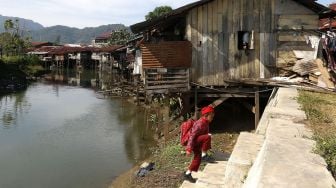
point(108, 49)
point(36, 44)
point(62, 50)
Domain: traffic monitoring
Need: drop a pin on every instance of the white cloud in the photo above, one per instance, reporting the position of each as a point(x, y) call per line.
point(84, 13)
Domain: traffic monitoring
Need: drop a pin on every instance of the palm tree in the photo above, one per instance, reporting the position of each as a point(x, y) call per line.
point(8, 25)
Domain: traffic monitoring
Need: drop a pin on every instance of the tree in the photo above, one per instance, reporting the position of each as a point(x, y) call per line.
point(58, 40)
point(8, 25)
point(158, 11)
point(11, 41)
point(120, 37)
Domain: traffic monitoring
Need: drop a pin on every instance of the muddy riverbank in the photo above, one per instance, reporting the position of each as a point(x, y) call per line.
point(170, 162)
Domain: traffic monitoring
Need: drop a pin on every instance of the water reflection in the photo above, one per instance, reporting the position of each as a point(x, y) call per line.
point(56, 134)
point(12, 107)
point(102, 80)
point(138, 134)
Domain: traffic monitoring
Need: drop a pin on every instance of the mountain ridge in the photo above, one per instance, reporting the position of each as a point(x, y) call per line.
point(60, 33)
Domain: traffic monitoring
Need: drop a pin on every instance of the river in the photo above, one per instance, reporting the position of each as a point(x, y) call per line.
point(58, 135)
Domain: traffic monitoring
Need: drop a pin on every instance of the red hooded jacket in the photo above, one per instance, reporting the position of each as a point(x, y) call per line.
point(200, 127)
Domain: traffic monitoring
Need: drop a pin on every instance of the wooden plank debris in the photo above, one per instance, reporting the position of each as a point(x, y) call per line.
point(325, 74)
point(218, 102)
point(304, 67)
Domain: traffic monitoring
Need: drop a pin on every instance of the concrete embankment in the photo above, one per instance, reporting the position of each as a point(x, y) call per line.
point(279, 154)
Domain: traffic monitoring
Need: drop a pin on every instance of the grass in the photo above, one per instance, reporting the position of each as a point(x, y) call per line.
point(171, 161)
point(321, 113)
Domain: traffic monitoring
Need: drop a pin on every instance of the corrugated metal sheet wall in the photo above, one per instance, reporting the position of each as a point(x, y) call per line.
point(168, 54)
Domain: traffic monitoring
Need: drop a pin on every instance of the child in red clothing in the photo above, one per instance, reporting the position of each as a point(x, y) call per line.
point(199, 141)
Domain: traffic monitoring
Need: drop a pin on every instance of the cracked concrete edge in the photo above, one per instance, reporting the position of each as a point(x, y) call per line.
point(302, 134)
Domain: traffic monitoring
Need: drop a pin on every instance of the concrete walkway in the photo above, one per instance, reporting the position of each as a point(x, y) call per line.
point(279, 154)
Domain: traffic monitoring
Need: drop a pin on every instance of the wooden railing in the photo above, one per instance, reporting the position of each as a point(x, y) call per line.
point(165, 80)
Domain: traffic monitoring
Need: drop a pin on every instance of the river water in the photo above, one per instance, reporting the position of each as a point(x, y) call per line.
point(58, 135)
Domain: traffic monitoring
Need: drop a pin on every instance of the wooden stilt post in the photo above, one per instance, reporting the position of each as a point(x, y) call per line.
point(165, 118)
point(257, 108)
point(196, 108)
point(137, 92)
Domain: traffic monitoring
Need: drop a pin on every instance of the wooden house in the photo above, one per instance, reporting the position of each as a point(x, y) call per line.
point(218, 41)
point(104, 56)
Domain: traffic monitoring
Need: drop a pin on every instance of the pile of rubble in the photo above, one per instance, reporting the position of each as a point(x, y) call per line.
point(301, 67)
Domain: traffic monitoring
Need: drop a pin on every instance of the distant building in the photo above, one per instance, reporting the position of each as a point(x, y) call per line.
point(102, 39)
point(41, 44)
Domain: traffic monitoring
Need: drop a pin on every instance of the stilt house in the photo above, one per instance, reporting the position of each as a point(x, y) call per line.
point(213, 42)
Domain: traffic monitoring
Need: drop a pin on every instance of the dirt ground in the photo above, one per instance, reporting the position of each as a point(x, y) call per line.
point(170, 163)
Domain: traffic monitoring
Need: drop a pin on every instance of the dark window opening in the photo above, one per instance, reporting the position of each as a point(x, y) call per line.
point(244, 40)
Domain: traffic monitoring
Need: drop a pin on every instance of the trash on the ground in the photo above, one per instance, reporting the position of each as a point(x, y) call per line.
point(145, 168)
point(305, 66)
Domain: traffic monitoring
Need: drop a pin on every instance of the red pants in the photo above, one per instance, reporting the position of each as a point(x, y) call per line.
point(202, 143)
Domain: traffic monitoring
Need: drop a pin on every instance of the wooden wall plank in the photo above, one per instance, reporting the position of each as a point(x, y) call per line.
point(230, 23)
point(257, 42)
point(210, 62)
point(205, 44)
point(226, 39)
point(242, 61)
point(268, 16)
point(298, 22)
point(273, 43)
point(273, 54)
point(256, 16)
point(291, 37)
point(194, 38)
point(215, 49)
point(233, 39)
point(200, 44)
point(267, 52)
point(262, 55)
point(188, 28)
point(232, 55)
point(262, 17)
point(250, 27)
point(220, 70)
point(290, 7)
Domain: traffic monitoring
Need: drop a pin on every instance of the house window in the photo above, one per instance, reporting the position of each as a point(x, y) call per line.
point(244, 40)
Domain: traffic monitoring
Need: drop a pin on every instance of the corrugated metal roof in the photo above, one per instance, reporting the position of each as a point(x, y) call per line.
point(108, 48)
point(35, 44)
point(62, 50)
point(180, 12)
point(142, 26)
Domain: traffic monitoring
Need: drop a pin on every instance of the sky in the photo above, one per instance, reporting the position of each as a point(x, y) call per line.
point(88, 13)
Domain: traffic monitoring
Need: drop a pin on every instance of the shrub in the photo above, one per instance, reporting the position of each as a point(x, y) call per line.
point(22, 60)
